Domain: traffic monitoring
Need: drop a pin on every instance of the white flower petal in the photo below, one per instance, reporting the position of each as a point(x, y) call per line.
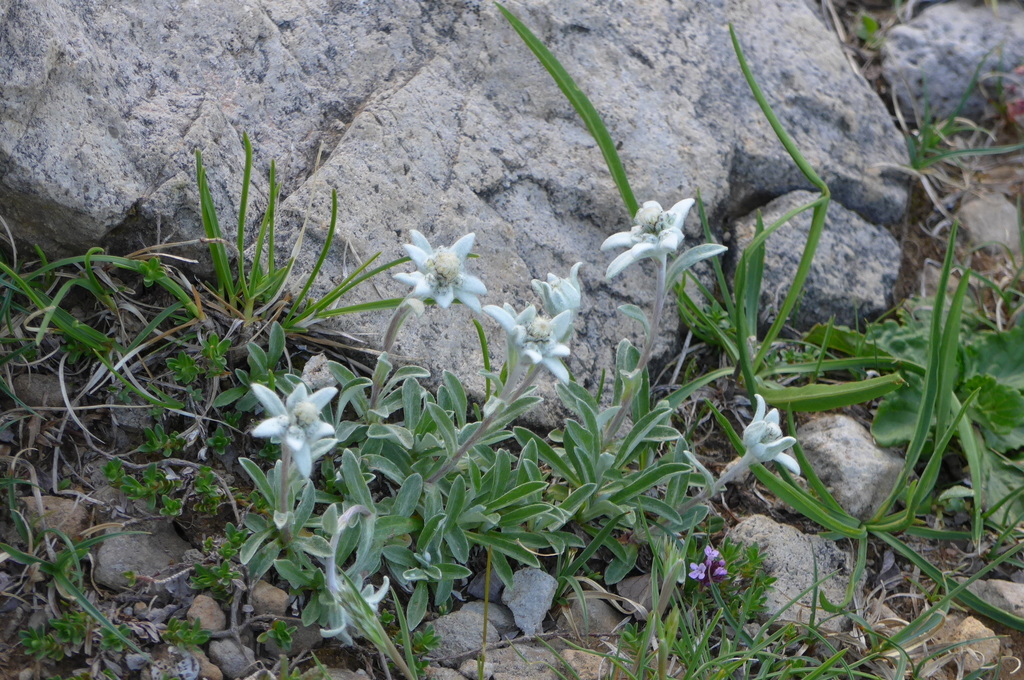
point(670, 239)
point(559, 350)
point(409, 278)
point(789, 462)
point(421, 242)
point(557, 369)
point(418, 256)
point(623, 239)
point(619, 263)
point(503, 317)
point(444, 298)
point(303, 460)
point(464, 246)
point(319, 430)
point(473, 285)
point(297, 396)
point(272, 427)
point(468, 299)
point(679, 212)
point(271, 402)
point(533, 355)
point(323, 396)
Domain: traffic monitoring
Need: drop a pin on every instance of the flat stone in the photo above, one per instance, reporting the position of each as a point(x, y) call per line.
point(461, 632)
point(145, 555)
point(858, 474)
point(974, 644)
point(207, 611)
point(207, 669)
point(991, 221)
point(268, 600)
point(638, 590)
point(530, 598)
point(1007, 595)
point(38, 389)
point(522, 662)
point(600, 617)
point(498, 615)
point(64, 514)
point(791, 557)
point(232, 659)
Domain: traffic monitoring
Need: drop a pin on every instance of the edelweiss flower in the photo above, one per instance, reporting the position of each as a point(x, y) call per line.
point(763, 438)
point(351, 607)
point(558, 294)
point(655, 233)
point(442, 272)
point(535, 337)
point(296, 422)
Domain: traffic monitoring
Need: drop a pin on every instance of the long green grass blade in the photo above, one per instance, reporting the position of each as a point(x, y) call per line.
point(583, 107)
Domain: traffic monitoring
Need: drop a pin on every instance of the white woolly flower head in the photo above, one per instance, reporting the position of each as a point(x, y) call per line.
point(558, 294)
point(763, 438)
point(296, 423)
point(535, 337)
point(656, 233)
point(441, 272)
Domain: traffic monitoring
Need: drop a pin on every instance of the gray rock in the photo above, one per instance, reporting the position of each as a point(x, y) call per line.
point(498, 615)
point(207, 669)
point(461, 632)
point(1006, 595)
point(791, 557)
point(479, 581)
point(38, 389)
point(600, 617)
point(932, 57)
point(304, 639)
point(637, 589)
point(437, 120)
point(853, 272)
point(530, 598)
point(859, 474)
point(232, 658)
point(146, 555)
point(523, 662)
point(990, 221)
point(442, 673)
point(207, 611)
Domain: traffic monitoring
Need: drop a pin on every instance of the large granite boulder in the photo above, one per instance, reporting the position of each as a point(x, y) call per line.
point(431, 115)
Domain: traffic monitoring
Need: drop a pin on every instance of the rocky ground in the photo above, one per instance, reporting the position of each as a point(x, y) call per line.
point(872, 256)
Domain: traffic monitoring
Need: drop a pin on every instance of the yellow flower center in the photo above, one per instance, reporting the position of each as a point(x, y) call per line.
point(539, 330)
point(305, 414)
point(446, 267)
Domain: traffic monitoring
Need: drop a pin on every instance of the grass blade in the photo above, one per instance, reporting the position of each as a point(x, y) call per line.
point(582, 105)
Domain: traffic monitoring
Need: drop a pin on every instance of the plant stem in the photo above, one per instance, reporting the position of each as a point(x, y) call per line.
point(489, 419)
point(283, 500)
point(613, 426)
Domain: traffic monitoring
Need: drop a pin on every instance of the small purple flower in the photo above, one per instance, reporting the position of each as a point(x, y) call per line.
point(711, 570)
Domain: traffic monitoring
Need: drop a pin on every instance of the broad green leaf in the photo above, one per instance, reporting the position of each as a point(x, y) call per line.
point(998, 407)
point(896, 417)
point(998, 354)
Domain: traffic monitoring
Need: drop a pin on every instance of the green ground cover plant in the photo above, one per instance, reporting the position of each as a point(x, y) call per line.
point(376, 494)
